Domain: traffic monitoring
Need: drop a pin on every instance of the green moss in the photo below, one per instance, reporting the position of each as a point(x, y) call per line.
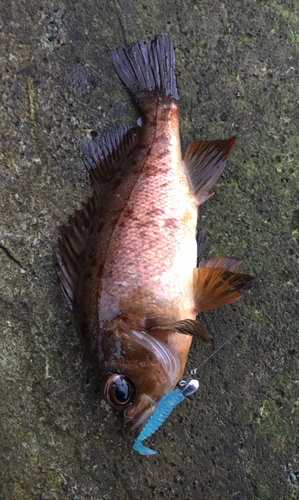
point(268, 419)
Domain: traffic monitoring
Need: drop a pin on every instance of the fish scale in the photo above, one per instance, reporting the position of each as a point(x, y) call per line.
point(148, 237)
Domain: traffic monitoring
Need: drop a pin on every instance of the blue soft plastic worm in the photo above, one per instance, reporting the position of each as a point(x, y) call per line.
point(164, 409)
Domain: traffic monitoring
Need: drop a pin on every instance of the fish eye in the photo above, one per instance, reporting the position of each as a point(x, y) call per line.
point(119, 391)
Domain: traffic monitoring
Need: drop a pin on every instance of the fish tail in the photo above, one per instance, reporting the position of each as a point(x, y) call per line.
point(147, 69)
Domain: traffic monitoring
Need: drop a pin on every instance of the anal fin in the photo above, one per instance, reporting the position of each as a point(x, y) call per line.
point(205, 162)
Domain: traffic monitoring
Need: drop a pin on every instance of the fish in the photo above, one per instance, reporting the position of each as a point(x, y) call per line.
point(127, 260)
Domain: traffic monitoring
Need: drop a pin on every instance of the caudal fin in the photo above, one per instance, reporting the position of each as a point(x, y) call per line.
point(147, 68)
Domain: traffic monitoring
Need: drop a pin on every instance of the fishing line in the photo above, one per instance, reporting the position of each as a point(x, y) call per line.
point(194, 370)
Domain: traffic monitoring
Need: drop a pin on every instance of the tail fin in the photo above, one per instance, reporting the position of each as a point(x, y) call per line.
point(147, 68)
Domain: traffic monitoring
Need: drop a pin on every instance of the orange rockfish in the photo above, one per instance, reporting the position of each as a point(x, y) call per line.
point(127, 260)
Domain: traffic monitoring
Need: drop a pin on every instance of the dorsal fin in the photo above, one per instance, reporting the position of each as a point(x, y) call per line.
point(102, 156)
point(70, 246)
point(205, 161)
point(215, 287)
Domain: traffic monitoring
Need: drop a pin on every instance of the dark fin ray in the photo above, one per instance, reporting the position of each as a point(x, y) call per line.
point(147, 68)
point(70, 246)
point(186, 326)
point(215, 287)
point(205, 161)
point(64, 283)
point(103, 156)
point(229, 263)
point(190, 327)
point(158, 322)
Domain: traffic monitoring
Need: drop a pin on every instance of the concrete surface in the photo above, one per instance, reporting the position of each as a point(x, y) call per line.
point(237, 69)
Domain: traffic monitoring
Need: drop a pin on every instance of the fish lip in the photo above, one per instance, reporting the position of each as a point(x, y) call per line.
point(136, 415)
point(135, 425)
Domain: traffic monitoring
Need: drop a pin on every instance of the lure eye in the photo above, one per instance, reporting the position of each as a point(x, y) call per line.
point(119, 391)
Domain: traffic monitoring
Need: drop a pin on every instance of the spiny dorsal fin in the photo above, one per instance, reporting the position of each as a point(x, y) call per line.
point(205, 161)
point(229, 263)
point(189, 327)
point(103, 156)
point(147, 68)
point(70, 246)
point(215, 287)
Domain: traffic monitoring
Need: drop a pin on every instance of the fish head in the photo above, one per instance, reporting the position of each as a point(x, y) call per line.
point(138, 372)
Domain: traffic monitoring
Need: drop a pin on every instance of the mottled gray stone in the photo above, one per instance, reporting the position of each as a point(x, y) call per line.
point(237, 69)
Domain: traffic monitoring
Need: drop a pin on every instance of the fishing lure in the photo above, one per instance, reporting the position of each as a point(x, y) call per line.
point(165, 407)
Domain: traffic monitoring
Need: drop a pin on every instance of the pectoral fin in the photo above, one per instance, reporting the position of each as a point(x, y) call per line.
point(188, 327)
point(204, 162)
point(214, 287)
point(193, 327)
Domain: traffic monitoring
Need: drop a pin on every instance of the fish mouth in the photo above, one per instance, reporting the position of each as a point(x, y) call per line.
point(159, 375)
point(144, 409)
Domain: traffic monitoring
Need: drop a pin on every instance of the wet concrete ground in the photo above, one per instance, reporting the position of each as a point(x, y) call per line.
point(237, 71)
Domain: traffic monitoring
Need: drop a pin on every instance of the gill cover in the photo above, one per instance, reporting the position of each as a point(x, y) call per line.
point(168, 358)
point(139, 369)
